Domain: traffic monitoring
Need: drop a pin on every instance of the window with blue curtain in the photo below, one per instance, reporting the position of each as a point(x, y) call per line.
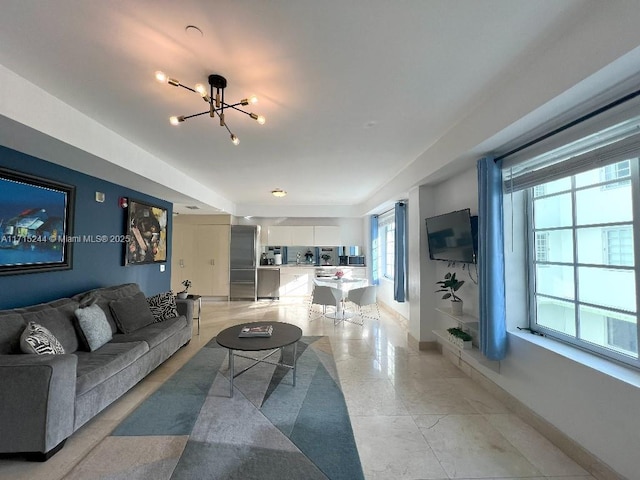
point(388, 248)
point(375, 251)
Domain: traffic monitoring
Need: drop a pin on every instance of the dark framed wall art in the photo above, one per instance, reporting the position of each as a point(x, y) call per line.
point(146, 234)
point(36, 223)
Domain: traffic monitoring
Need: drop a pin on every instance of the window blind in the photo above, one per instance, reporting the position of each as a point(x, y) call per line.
point(386, 218)
point(610, 145)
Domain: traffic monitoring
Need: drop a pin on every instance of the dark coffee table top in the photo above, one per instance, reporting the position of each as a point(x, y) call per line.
point(283, 334)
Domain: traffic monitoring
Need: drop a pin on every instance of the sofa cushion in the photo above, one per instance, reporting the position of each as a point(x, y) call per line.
point(131, 313)
point(96, 367)
point(11, 328)
point(153, 334)
point(104, 295)
point(93, 326)
point(37, 339)
point(163, 306)
point(58, 323)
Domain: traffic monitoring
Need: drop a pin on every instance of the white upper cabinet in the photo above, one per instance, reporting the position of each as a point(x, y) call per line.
point(326, 236)
point(301, 235)
point(278, 236)
point(320, 236)
point(290, 235)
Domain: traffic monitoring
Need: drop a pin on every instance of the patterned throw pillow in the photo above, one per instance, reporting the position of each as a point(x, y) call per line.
point(37, 339)
point(163, 306)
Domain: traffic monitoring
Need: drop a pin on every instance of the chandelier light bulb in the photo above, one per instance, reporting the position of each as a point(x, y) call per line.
point(235, 140)
point(253, 99)
point(259, 118)
point(176, 120)
point(162, 78)
point(201, 89)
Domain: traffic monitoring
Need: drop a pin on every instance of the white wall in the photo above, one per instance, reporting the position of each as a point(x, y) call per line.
point(454, 194)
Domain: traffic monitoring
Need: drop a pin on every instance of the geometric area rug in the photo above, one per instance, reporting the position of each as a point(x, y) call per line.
point(190, 429)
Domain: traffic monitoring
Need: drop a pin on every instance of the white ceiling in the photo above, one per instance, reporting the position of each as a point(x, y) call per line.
point(353, 91)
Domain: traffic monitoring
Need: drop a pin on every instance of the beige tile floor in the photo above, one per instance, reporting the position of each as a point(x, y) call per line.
point(414, 414)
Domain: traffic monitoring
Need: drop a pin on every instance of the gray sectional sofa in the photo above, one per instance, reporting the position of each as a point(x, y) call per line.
point(45, 398)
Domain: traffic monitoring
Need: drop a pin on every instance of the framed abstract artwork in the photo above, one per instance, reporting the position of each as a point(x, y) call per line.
point(146, 234)
point(36, 222)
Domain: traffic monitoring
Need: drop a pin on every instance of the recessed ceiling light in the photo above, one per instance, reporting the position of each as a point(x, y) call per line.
point(278, 192)
point(193, 32)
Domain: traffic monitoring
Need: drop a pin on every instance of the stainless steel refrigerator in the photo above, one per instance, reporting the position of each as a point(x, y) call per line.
point(243, 261)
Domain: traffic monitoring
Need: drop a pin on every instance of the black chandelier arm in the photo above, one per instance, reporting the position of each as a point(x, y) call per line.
point(225, 126)
point(187, 88)
point(186, 117)
point(234, 106)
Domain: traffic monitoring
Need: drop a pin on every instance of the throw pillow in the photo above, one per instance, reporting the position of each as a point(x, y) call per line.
point(163, 306)
point(94, 326)
point(37, 339)
point(131, 313)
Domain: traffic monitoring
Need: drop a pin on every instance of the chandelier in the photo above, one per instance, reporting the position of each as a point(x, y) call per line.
point(217, 105)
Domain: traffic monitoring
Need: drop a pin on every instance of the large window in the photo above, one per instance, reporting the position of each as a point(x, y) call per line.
point(582, 258)
point(386, 241)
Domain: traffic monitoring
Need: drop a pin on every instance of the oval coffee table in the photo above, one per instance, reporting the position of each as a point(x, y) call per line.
point(283, 334)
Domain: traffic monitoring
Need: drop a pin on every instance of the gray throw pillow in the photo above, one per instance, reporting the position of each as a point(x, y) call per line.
point(163, 306)
point(37, 339)
point(131, 313)
point(94, 326)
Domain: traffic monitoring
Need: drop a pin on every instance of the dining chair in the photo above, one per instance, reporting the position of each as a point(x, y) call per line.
point(365, 299)
point(324, 296)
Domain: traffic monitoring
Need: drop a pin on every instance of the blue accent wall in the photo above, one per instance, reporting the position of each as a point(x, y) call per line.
point(94, 264)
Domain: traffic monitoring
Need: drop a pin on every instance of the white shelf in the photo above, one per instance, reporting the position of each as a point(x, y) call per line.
point(471, 356)
point(465, 319)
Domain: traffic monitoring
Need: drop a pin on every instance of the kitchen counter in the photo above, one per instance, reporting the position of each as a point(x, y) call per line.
point(307, 265)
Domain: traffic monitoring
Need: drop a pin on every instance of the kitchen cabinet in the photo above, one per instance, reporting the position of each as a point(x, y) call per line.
point(212, 264)
point(200, 253)
point(358, 272)
point(296, 281)
point(326, 235)
point(183, 249)
point(305, 235)
point(280, 235)
point(301, 235)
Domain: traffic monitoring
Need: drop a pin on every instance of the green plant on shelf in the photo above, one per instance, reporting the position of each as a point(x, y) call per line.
point(451, 285)
point(459, 333)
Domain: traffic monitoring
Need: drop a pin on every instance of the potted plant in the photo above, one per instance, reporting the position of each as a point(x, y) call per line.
point(451, 285)
point(183, 293)
point(308, 256)
point(460, 338)
point(326, 257)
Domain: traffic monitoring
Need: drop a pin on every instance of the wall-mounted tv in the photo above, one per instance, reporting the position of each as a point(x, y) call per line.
point(451, 237)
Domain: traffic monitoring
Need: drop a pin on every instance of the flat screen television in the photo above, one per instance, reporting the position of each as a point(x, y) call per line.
point(451, 237)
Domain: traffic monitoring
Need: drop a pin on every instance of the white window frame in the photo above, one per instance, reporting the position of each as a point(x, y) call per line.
point(614, 352)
